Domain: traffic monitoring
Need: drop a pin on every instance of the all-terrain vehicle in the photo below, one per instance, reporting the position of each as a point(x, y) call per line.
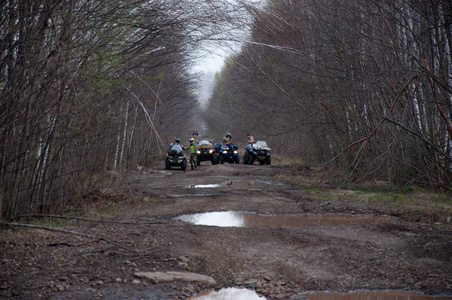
point(176, 157)
point(229, 153)
point(204, 152)
point(216, 152)
point(258, 151)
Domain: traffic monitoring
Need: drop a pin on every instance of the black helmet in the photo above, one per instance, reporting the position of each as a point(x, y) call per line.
point(177, 140)
point(228, 135)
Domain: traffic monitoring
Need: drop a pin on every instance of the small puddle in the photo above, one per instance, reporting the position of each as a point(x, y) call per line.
point(372, 295)
point(190, 195)
point(246, 219)
point(206, 186)
point(246, 184)
point(228, 293)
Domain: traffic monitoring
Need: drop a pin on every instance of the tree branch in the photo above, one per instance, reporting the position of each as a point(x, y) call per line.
point(86, 220)
point(426, 141)
point(99, 238)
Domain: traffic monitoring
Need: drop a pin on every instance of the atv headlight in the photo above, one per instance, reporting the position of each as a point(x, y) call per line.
point(235, 151)
point(225, 151)
point(210, 151)
point(199, 152)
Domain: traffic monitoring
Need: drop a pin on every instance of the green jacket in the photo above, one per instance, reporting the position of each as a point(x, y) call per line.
point(192, 148)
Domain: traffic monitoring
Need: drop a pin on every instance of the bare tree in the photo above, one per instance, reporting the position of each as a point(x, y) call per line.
point(367, 84)
point(90, 86)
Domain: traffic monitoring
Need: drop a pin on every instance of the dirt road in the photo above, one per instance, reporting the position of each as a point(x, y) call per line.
point(339, 245)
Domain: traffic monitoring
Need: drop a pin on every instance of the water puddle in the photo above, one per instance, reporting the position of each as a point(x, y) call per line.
point(163, 186)
point(372, 295)
point(246, 219)
point(241, 184)
point(245, 294)
point(228, 293)
point(206, 186)
point(256, 184)
point(270, 182)
point(190, 195)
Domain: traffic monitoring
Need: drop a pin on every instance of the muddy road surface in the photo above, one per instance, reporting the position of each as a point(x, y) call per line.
point(240, 225)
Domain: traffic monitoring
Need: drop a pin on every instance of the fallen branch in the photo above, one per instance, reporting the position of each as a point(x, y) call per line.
point(105, 252)
point(86, 220)
point(123, 254)
point(59, 244)
point(99, 238)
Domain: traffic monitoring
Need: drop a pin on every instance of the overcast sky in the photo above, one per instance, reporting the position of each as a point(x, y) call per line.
point(212, 57)
point(214, 54)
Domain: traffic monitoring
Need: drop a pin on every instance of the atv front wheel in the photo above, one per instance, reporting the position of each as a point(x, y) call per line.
point(184, 165)
point(251, 159)
point(269, 161)
point(215, 159)
point(167, 165)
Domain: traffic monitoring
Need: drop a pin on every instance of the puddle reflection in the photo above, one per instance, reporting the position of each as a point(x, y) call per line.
point(238, 184)
point(244, 219)
point(245, 294)
point(189, 195)
point(229, 293)
point(206, 186)
point(373, 295)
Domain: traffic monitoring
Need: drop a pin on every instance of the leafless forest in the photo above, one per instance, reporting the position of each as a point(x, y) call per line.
point(89, 86)
point(364, 87)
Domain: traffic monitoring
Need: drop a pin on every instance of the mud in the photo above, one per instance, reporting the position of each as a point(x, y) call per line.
point(387, 250)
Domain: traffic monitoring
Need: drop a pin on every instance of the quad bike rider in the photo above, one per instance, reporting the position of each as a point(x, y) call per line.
point(248, 148)
point(227, 138)
point(192, 149)
point(250, 138)
point(176, 156)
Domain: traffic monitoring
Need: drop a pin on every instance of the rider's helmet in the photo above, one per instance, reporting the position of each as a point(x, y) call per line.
point(177, 140)
point(228, 135)
point(192, 141)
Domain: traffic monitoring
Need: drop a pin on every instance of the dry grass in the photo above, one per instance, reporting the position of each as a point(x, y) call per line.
point(411, 199)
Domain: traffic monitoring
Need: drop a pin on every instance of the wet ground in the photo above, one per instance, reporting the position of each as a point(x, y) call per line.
point(238, 224)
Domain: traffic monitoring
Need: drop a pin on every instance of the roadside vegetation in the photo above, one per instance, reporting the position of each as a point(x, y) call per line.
point(418, 203)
